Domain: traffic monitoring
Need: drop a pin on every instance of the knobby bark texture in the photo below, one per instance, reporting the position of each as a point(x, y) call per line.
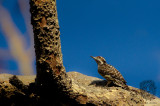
point(52, 85)
point(51, 76)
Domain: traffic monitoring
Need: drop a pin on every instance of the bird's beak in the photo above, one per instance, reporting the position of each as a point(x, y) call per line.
point(93, 57)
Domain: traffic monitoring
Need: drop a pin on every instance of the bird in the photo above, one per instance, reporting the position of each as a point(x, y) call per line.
point(111, 74)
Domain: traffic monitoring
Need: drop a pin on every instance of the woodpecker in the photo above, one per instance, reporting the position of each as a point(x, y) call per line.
point(110, 73)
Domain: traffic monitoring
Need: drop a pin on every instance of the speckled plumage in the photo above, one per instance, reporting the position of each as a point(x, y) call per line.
point(110, 73)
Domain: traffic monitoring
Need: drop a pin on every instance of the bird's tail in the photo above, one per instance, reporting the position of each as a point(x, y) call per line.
point(121, 84)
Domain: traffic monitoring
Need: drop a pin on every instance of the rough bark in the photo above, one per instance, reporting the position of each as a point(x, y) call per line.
point(53, 86)
point(20, 91)
point(51, 76)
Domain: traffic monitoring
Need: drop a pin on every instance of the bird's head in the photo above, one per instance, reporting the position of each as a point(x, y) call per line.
point(99, 59)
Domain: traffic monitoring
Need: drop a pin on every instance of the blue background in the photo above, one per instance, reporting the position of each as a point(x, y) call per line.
point(126, 33)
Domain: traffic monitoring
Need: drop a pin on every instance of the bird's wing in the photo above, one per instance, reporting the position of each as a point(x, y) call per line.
point(113, 72)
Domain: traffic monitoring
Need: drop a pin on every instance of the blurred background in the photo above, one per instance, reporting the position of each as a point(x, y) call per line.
point(126, 33)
